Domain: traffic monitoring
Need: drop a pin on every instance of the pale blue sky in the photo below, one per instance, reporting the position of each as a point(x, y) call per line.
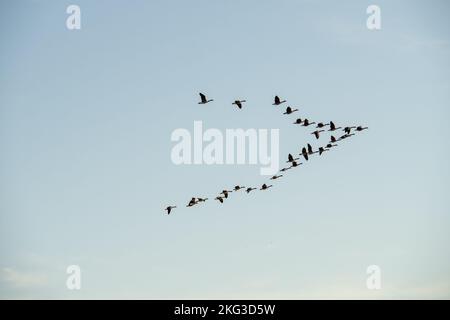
point(85, 169)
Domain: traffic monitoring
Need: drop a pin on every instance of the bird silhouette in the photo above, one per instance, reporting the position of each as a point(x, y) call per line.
point(276, 177)
point(203, 98)
point(307, 123)
point(265, 187)
point(333, 139)
point(250, 189)
point(291, 158)
point(220, 199)
point(298, 121)
point(310, 150)
point(237, 188)
point(192, 202)
point(347, 130)
point(345, 136)
point(201, 199)
point(322, 125)
point(289, 110)
point(360, 128)
point(317, 133)
point(285, 169)
point(333, 126)
point(295, 164)
point(304, 153)
point(238, 103)
point(330, 145)
point(169, 209)
point(225, 193)
point(278, 101)
point(322, 150)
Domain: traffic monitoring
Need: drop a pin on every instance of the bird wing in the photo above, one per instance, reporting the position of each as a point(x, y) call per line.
point(277, 99)
point(203, 97)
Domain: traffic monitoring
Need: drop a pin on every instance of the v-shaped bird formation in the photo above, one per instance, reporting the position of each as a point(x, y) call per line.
point(292, 161)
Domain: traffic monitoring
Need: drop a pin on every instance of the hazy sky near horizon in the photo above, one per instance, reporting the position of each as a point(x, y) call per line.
point(85, 170)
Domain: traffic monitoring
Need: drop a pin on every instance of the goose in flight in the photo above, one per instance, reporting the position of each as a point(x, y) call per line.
point(169, 208)
point(360, 128)
point(237, 188)
point(291, 158)
point(322, 125)
point(330, 145)
point(265, 187)
point(333, 139)
point(276, 177)
point(201, 199)
point(305, 153)
point(220, 199)
point(322, 150)
point(333, 126)
point(347, 130)
point(278, 101)
point(203, 98)
point(250, 189)
point(345, 136)
point(310, 150)
point(238, 103)
point(317, 133)
point(285, 169)
point(295, 164)
point(225, 193)
point(289, 110)
point(192, 202)
point(298, 121)
point(307, 123)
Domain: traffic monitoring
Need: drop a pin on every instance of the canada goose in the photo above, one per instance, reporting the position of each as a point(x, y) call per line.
point(321, 125)
point(316, 133)
point(322, 150)
point(285, 169)
point(345, 136)
point(219, 198)
point(360, 128)
point(192, 202)
point(291, 158)
point(305, 153)
point(237, 188)
point(265, 187)
point(333, 127)
point(238, 103)
point(328, 146)
point(295, 164)
point(276, 177)
point(225, 193)
point(298, 121)
point(203, 98)
point(277, 101)
point(307, 123)
point(289, 110)
point(250, 189)
point(347, 130)
point(202, 199)
point(310, 150)
point(333, 139)
point(169, 208)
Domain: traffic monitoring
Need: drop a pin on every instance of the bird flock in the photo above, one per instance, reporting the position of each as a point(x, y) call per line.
point(293, 162)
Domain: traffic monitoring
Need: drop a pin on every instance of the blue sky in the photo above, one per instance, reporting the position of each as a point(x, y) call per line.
point(85, 172)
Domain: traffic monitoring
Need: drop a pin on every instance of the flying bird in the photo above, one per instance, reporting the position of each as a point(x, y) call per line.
point(278, 101)
point(225, 193)
point(298, 121)
point(203, 98)
point(347, 130)
point(192, 202)
point(219, 198)
point(307, 123)
point(328, 146)
point(322, 150)
point(333, 126)
point(285, 169)
point(238, 103)
point(322, 125)
point(333, 139)
point(276, 177)
point(237, 188)
point(289, 110)
point(169, 209)
point(250, 189)
point(317, 133)
point(305, 153)
point(295, 164)
point(310, 150)
point(291, 158)
point(360, 128)
point(265, 187)
point(201, 199)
